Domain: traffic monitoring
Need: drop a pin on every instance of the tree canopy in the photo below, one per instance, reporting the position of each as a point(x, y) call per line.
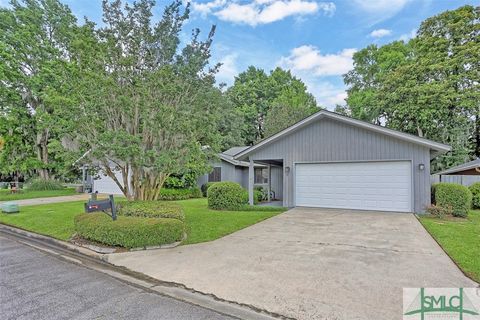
point(256, 94)
point(428, 86)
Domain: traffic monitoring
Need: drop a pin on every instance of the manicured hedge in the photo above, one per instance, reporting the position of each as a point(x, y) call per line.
point(151, 209)
point(475, 190)
point(128, 232)
point(226, 195)
point(179, 194)
point(453, 195)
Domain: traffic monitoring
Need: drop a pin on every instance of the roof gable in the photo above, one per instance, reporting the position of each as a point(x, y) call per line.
point(323, 114)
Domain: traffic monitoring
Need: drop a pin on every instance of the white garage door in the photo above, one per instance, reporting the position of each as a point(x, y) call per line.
point(385, 186)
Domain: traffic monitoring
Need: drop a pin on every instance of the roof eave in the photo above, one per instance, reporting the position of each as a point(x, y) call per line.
point(437, 147)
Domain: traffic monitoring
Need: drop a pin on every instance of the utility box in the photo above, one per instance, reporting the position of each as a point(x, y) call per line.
point(10, 207)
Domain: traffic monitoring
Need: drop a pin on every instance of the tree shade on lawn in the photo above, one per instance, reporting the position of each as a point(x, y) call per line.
point(202, 224)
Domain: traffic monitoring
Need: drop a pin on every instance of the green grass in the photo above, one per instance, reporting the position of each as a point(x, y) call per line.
point(460, 238)
point(6, 195)
point(55, 219)
point(202, 224)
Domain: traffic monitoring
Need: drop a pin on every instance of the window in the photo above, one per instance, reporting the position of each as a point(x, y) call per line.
point(261, 175)
point(215, 175)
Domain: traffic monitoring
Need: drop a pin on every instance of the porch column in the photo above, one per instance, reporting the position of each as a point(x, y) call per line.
point(269, 189)
point(250, 182)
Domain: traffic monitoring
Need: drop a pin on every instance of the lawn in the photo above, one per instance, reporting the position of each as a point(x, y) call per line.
point(202, 224)
point(6, 195)
point(460, 239)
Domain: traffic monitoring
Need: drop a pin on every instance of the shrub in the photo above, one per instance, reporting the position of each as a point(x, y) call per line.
point(475, 190)
point(128, 232)
point(226, 196)
point(179, 194)
point(151, 209)
point(205, 187)
point(453, 195)
point(439, 212)
point(42, 184)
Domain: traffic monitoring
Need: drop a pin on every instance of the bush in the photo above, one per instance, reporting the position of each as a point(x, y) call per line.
point(475, 190)
point(226, 196)
point(205, 187)
point(42, 184)
point(179, 194)
point(128, 232)
point(151, 209)
point(439, 212)
point(453, 195)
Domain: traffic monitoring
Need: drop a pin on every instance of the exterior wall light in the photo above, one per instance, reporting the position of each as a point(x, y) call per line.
point(421, 167)
point(287, 170)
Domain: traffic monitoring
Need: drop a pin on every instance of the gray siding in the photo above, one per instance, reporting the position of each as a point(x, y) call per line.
point(330, 140)
point(229, 173)
point(277, 181)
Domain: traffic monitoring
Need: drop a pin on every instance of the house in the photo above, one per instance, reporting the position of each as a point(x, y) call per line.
point(465, 174)
point(333, 161)
point(471, 168)
point(226, 168)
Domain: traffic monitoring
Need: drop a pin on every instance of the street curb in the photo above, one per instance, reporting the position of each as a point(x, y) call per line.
point(173, 290)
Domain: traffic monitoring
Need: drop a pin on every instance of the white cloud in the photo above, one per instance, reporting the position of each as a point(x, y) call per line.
point(309, 58)
point(380, 10)
point(379, 33)
point(228, 70)
point(206, 8)
point(328, 95)
point(407, 36)
point(258, 12)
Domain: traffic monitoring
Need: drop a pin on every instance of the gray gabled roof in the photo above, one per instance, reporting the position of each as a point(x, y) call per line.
point(434, 146)
point(228, 157)
point(466, 166)
point(234, 150)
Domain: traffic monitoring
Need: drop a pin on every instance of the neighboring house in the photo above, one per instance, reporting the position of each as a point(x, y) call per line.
point(471, 168)
point(464, 174)
point(333, 161)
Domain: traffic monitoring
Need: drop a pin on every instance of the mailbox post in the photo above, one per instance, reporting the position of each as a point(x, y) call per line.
point(94, 205)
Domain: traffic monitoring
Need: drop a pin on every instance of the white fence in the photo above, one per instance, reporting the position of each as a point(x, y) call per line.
point(464, 180)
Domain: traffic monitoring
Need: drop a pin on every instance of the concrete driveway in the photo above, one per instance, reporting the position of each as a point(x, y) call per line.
point(311, 264)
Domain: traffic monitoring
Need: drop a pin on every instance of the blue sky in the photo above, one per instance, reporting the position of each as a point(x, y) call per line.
point(314, 39)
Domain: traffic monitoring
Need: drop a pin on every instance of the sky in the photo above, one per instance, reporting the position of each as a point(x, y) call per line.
point(314, 39)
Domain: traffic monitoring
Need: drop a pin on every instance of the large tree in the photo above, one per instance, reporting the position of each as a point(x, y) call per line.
point(256, 93)
point(428, 87)
point(147, 107)
point(35, 42)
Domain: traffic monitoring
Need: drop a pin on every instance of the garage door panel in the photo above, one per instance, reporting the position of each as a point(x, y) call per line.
point(382, 186)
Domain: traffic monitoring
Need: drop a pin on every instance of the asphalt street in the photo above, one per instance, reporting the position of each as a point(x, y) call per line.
point(37, 285)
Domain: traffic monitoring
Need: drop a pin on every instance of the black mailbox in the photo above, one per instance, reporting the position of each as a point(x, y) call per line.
point(94, 205)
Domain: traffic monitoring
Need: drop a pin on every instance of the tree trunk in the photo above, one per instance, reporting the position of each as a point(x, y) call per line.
point(42, 153)
point(477, 135)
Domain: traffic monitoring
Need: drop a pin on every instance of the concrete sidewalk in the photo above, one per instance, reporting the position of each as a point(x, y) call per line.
point(32, 202)
point(311, 264)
